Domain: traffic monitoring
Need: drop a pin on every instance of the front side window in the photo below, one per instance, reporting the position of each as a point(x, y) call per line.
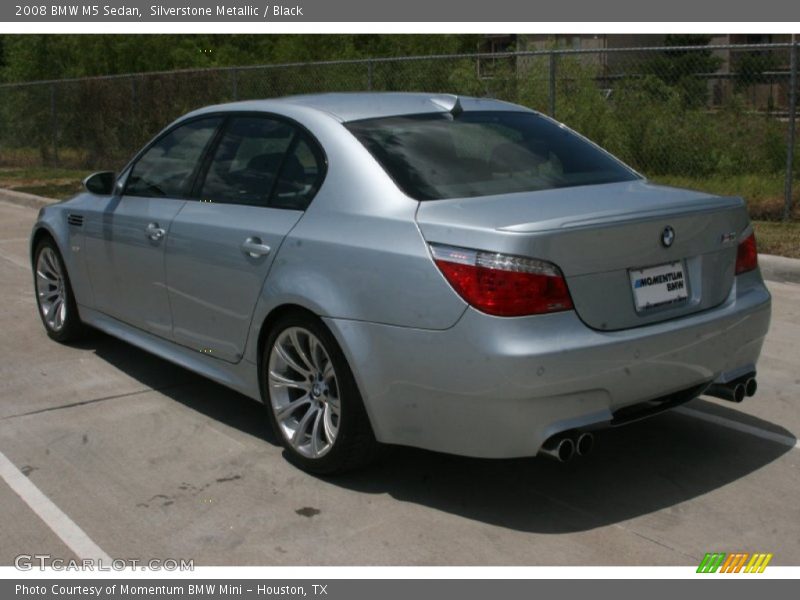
point(166, 168)
point(483, 153)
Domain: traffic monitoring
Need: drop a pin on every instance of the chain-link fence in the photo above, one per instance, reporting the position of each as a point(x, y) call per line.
point(681, 114)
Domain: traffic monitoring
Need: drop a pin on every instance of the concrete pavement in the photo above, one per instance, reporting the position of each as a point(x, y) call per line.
point(151, 461)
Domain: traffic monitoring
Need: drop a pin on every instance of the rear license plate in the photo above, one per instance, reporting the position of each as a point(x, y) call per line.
point(660, 285)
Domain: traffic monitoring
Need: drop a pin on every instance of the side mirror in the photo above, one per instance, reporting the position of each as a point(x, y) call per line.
point(101, 183)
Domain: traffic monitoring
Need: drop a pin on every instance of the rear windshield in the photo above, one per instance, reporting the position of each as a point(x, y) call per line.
point(436, 156)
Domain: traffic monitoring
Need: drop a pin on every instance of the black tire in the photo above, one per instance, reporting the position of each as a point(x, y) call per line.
point(71, 329)
point(354, 445)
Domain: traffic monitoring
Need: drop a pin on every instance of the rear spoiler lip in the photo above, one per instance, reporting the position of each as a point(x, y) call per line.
point(609, 218)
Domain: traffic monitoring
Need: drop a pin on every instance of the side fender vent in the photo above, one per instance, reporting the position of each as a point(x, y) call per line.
point(75, 220)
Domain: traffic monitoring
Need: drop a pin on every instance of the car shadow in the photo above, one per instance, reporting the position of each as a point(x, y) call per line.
point(189, 389)
point(634, 470)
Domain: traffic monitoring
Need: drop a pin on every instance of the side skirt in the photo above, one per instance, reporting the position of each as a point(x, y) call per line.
point(241, 377)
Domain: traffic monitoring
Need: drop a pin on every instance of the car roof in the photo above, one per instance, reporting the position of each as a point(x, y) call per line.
point(353, 106)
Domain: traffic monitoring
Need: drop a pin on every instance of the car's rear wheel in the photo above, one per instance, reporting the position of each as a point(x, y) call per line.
point(54, 297)
point(312, 398)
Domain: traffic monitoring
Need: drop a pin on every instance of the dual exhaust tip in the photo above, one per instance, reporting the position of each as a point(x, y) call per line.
point(736, 390)
point(564, 446)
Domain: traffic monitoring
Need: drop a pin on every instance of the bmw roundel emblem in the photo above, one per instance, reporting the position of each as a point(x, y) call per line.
point(667, 236)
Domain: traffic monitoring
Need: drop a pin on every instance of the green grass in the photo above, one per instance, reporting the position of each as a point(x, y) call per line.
point(43, 181)
point(782, 239)
point(764, 195)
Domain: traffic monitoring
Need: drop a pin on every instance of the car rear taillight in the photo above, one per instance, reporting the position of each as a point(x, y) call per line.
point(747, 255)
point(501, 284)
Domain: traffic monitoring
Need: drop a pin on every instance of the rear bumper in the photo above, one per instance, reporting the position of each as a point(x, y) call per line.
point(498, 387)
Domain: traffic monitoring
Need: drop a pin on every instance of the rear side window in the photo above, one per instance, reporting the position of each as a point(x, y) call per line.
point(166, 168)
point(247, 160)
point(264, 162)
point(482, 153)
point(300, 176)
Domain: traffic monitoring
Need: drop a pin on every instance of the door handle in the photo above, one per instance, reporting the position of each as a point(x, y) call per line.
point(254, 247)
point(154, 232)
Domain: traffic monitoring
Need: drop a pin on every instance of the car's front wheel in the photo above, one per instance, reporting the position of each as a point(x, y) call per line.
point(54, 297)
point(312, 398)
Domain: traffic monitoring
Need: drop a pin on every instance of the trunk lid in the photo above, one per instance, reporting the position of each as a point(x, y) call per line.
point(598, 234)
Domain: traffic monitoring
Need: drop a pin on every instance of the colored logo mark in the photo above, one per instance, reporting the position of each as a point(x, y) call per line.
point(735, 562)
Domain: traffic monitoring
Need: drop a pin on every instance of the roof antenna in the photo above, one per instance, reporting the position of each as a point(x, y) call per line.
point(450, 103)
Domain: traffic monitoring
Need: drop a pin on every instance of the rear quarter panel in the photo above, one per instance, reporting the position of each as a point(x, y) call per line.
point(357, 252)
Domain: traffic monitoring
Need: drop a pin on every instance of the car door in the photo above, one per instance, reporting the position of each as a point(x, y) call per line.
point(126, 235)
point(253, 189)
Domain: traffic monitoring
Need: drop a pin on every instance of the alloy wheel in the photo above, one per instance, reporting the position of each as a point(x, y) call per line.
point(304, 392)
point(50, 289)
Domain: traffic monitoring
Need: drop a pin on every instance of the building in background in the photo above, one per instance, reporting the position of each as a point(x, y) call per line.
point(759, 77)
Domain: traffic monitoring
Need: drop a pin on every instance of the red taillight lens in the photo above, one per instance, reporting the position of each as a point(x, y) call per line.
point(747, 255)
point(503, 285)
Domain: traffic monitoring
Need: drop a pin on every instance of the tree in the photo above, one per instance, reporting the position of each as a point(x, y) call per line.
point(685, 70)
point(752, 67)
point(35, 57)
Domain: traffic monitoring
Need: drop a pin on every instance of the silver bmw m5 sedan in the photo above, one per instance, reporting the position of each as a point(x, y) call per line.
point(451, 273)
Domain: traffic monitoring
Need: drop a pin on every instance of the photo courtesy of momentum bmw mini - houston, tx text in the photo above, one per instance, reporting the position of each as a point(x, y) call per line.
point(452, 273)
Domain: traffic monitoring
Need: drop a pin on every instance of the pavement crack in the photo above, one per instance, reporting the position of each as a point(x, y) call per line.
point(93, 401)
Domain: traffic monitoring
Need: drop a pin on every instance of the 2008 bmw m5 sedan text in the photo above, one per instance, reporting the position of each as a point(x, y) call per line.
point(452, 273)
